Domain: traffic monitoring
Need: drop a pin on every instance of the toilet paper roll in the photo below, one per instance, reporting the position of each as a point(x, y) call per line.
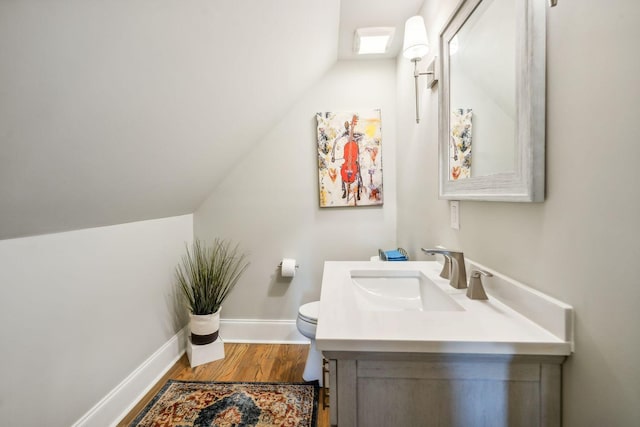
point(288, 267)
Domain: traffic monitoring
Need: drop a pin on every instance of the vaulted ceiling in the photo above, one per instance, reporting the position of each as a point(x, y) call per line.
point(117, 111)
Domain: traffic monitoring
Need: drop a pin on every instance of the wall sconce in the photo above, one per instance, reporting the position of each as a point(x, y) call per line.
point(415, 47)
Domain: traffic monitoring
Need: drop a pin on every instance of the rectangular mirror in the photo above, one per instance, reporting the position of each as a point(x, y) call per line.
point(492, 101)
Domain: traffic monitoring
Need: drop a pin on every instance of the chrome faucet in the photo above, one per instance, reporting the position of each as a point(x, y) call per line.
point(458, 277)
point(446, 267)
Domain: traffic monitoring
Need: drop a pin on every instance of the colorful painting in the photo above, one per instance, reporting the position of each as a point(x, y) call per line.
point(350, 158)
point(460, 149)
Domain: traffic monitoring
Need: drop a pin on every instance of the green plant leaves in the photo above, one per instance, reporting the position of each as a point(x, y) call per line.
point(208, 273)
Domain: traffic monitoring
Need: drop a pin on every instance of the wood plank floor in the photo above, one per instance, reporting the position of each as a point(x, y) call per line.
point(242, 362)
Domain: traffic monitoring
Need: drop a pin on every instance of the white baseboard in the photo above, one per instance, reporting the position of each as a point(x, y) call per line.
point(117, 404)
point(261, 331)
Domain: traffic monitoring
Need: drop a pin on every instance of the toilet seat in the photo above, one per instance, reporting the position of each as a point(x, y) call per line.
point(309, 312)
point(307, 323)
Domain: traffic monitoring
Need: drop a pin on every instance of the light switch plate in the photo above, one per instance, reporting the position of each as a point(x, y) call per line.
point(454, 211)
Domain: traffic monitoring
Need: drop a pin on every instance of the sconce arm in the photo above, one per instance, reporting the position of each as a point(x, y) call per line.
point(417, 74)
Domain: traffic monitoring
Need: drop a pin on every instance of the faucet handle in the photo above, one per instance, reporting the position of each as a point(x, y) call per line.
point(475, 289)
point(477, 273)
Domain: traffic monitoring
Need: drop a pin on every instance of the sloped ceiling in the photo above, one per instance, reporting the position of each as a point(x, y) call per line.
point(117, 111)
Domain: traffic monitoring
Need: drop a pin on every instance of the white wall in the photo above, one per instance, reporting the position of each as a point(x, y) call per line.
point(269, 201)
point(580, 245)
point(155, 87)
point(79, 311)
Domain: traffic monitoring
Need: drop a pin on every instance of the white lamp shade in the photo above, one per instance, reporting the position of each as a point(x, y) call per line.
point(415, 44)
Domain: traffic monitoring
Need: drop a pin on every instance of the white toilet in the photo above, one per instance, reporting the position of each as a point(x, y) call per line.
point(307, 323)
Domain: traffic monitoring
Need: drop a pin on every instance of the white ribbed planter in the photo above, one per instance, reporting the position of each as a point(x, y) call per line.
point(204, 328)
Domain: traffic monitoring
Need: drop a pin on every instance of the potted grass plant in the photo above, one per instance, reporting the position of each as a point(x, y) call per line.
point(205, 277)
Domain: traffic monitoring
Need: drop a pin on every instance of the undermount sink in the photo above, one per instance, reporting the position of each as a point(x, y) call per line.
point(407, 307)
point(399, 290)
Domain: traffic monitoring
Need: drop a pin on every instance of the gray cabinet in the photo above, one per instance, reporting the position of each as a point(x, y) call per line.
point(444, 390)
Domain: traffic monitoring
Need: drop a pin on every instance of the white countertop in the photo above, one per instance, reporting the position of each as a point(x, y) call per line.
point(483, 327)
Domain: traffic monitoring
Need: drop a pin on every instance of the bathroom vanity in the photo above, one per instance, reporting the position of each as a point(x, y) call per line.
point(407, 349)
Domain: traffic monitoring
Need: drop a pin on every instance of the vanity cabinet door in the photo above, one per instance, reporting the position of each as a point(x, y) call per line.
point(343, 383)
point(445, 391)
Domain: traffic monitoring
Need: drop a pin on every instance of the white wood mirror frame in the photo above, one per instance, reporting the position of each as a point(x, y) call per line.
point(526, 182)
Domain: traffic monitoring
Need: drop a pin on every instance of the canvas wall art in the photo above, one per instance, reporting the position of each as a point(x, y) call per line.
point(350, 158)
point(460, 148)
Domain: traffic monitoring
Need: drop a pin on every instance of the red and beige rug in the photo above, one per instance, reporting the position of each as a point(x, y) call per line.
point(227, 404)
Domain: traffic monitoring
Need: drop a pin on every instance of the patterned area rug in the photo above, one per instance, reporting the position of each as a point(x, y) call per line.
point(226, 404)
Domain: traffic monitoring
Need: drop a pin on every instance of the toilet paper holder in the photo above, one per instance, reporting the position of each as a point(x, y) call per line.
point(288, 267)
point(280, 265)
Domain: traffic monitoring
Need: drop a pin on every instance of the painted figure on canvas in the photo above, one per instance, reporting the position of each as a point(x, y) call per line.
point(460, 149)
point(348, 149)
point(350, 169)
